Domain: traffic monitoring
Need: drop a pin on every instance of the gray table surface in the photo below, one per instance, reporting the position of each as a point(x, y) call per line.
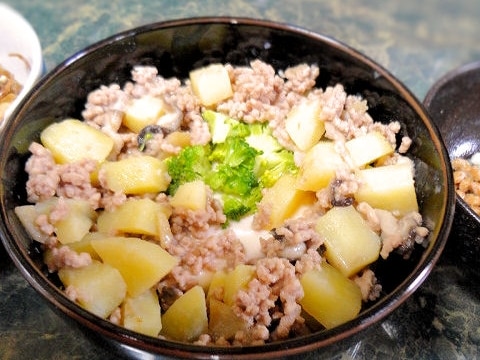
point(418, 41)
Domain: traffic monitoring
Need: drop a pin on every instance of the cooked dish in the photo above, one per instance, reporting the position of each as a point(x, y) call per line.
point(9, 90)
point(237, 207)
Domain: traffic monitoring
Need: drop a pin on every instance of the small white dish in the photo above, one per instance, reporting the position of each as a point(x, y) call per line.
point(20, 52)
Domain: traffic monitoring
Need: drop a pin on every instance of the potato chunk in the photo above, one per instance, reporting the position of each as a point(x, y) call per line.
point(365, 149)
point(211, 84)
point(142, 112)
point(191, 195)
point(223, 322)
point(72, 140)
point(135, 216)
point(331, 298)
point(136, 175)
point(304, 124)
point(282, 201)
point(77, 223)
point(389, 187)
point(187, 318)
point(98, 287)
point(319, 166)
point(142, 313)
point(236, 280)
point(350, 243)
point(141, 263)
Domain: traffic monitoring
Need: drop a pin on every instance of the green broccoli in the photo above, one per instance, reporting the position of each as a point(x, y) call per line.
point(222, 126)
point(190, 164)
point(273, 161)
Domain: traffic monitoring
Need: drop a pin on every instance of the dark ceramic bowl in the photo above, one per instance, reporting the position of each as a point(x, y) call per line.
point(176, 47)
point(454, 106)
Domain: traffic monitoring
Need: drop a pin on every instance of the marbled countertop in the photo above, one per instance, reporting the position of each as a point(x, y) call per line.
point(418, 41)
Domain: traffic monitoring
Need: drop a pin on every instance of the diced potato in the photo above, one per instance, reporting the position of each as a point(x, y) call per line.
point(142, 112)
point(282, 201)
point(142, 313)
point(319, 167)
point(135, 216)
point(27, 214)
point(236, 280)
point(305, 125)
point(331, 298)
point(136, 175)
point(141, 263)
point(365, 149)
point(350, 243)
point(187, 318)
point(223, 322)
point(99, 287)
point(85, 244)
point(217, 282)
point(211, 84)
point(191, 195)
point(389, 187)
point(77, 223)
point(72, 140)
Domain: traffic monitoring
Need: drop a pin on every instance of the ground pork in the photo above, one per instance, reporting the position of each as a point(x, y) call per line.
point(43, 177)
point(273, 294)
point(394, 232)
point(64, 256)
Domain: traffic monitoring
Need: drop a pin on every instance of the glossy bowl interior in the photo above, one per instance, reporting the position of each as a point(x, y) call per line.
point(453, 105)
point(176, 47)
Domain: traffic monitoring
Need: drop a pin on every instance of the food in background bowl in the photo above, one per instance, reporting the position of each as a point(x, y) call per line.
point(20, 59)
point(176, 48)
point(215, 211)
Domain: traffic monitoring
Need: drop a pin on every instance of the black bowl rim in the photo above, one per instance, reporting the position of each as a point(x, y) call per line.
point(280, 349)
point(430, 97)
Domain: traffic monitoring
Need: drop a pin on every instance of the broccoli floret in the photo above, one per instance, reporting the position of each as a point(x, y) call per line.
point(190, 164)
point(233, 163)
point(222, 126)
point(274, 161)
point(235, 207)
point(271, 166)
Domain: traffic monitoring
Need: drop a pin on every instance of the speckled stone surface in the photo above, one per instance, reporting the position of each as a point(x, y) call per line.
point(418, 41)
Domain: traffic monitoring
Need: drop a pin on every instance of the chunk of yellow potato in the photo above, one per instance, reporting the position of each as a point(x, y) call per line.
point(319, 167)
point(331, 298)
point(136, 175)
point(365, 149)
point(350, 243)
point(85, 244)
point(191, 195)
point(186, 319)
point(144, 111)
point(237, 280)
point(282, 201)
point(99, 287)
point(141, 263)
point(27, 214)
point(223, 322)
point(304, 124)
point(134, 216)
point(217, 282)
point(211, 84)
point(142, 313)
point(77, 223)
point(72, 140)
point(389, 187)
